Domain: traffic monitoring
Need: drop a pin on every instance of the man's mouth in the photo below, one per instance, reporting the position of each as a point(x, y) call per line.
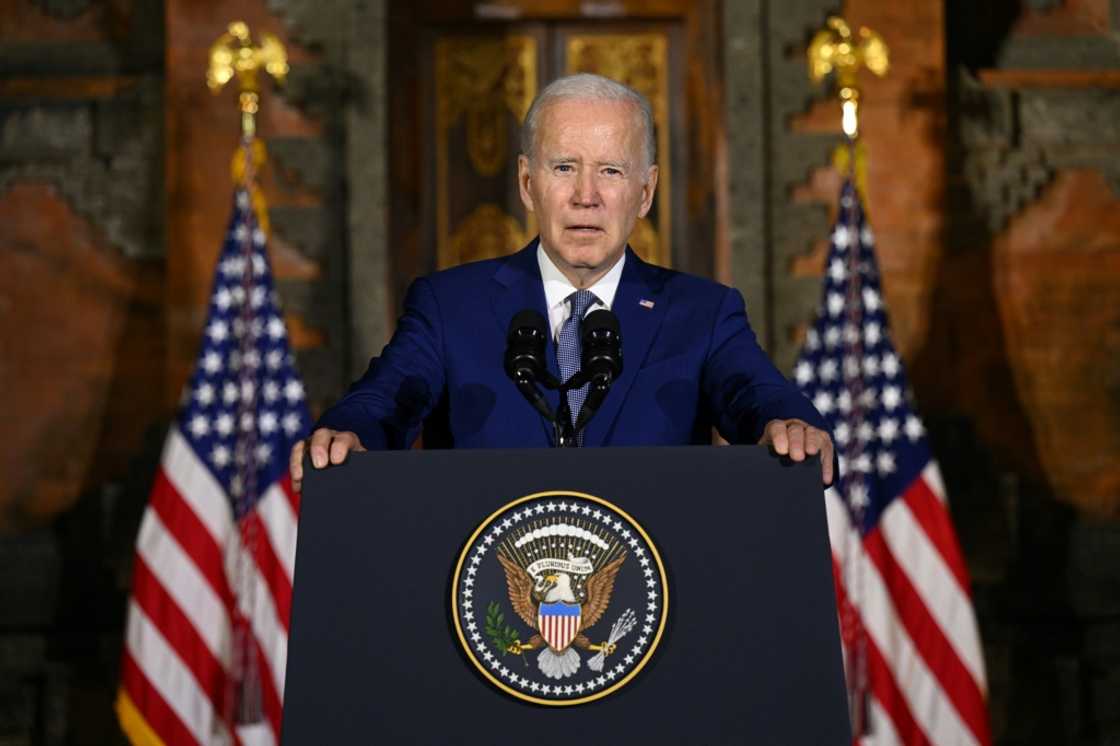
point(585, 228)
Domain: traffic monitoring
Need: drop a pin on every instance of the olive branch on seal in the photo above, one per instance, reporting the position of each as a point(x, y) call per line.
point(501, 634)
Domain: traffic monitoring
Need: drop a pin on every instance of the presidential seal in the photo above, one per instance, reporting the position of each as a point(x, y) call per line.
point(559, 598)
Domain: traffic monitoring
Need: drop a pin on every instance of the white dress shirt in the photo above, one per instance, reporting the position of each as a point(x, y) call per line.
point(557, 288)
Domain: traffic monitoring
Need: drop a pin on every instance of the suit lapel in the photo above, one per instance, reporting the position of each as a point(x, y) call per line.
point(640, 307)
point(517, 286)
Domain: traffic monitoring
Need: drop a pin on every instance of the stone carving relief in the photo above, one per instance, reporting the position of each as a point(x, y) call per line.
point(1015, 139)
point(63, 8)
point(102, 155)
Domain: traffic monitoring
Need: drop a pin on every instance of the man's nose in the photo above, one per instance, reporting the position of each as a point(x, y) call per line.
point(586, 193)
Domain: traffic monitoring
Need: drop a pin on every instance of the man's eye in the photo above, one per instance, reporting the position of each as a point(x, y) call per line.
point(564, 168)
point(612, 171)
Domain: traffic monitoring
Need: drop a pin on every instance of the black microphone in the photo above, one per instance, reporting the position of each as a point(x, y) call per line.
point(601, 360)
point(601, 346)
point(525, 357)
point(525, 343)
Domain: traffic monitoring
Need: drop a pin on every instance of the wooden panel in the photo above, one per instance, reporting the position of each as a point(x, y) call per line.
point(483, 88)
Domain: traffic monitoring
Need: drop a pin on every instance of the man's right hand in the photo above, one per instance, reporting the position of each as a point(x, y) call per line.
point(327, 447)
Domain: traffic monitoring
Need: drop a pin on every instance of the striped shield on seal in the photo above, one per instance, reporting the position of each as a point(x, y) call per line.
point(559, 624)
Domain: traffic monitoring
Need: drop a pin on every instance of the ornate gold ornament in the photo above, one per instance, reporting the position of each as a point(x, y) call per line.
point(487, 232)
point(484, 80)
point(641, 62)
point(834, 50)
point(233, 54)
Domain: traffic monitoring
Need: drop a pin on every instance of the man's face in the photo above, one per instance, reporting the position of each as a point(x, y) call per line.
point(587, 183)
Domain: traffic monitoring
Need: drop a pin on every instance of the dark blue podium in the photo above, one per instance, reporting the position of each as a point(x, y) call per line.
point(749, 650)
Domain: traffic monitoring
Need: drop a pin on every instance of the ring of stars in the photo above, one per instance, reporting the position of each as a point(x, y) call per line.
point(633, 650)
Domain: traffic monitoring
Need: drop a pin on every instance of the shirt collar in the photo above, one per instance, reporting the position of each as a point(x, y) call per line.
point(557, 288)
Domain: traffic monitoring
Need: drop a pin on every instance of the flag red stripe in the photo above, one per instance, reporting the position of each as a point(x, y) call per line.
point(157, 713)
point(179, 632)
point(272, 571)
point(182, 523)
point(938, 653)
point(880, 679)
point(270, 698)
point(886, 690)
point(180, 520)
point(933, 516)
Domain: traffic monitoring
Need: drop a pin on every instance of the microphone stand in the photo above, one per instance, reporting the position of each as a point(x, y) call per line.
point(564, 432)
point(567, 433)
point(564, 435)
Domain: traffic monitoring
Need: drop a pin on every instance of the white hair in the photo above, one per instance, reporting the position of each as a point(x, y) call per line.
point(587, 86)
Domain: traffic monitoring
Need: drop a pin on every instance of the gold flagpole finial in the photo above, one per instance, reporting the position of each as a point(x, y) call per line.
point(233, 54)
point(834, 49)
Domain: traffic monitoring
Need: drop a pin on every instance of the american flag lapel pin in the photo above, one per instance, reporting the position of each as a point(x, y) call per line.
point(644, 303)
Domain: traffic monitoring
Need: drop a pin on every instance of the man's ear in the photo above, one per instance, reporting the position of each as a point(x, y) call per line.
point(523, 182)
point(647, 191)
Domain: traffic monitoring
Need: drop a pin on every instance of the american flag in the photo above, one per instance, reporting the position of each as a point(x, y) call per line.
point(207, 632)
point(914, 663)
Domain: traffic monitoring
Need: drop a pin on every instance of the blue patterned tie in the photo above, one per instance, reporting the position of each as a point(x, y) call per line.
point(568, 348)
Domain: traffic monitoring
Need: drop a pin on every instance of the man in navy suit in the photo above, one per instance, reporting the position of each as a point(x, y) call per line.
point(691, 361)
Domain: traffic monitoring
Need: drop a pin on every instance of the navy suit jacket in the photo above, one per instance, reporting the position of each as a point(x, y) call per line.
point(690, 361)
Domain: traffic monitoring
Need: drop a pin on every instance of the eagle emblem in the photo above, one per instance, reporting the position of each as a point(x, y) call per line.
point(560, 605)
point(559, 598)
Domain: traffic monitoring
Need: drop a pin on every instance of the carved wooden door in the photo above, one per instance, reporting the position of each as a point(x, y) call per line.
point(483, 84)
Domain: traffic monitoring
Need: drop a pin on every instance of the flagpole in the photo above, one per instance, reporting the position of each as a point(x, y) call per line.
point(836, 54)
point(233, 55)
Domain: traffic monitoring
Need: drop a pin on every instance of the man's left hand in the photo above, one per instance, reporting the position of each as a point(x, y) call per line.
point(798, 439)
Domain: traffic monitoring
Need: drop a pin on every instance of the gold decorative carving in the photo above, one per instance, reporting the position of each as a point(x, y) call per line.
point(644, 241)
point(484, 79)
point(487, 232)
point(480, 80)
point(233, 54)
point(641, 62)
point(836, 50)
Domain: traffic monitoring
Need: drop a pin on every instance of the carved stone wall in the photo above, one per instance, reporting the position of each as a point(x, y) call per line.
point(81, 329)
point(102, 153)
point(1033, 153)
point(1016, 137)
point(766, 87)
point(347, 163)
